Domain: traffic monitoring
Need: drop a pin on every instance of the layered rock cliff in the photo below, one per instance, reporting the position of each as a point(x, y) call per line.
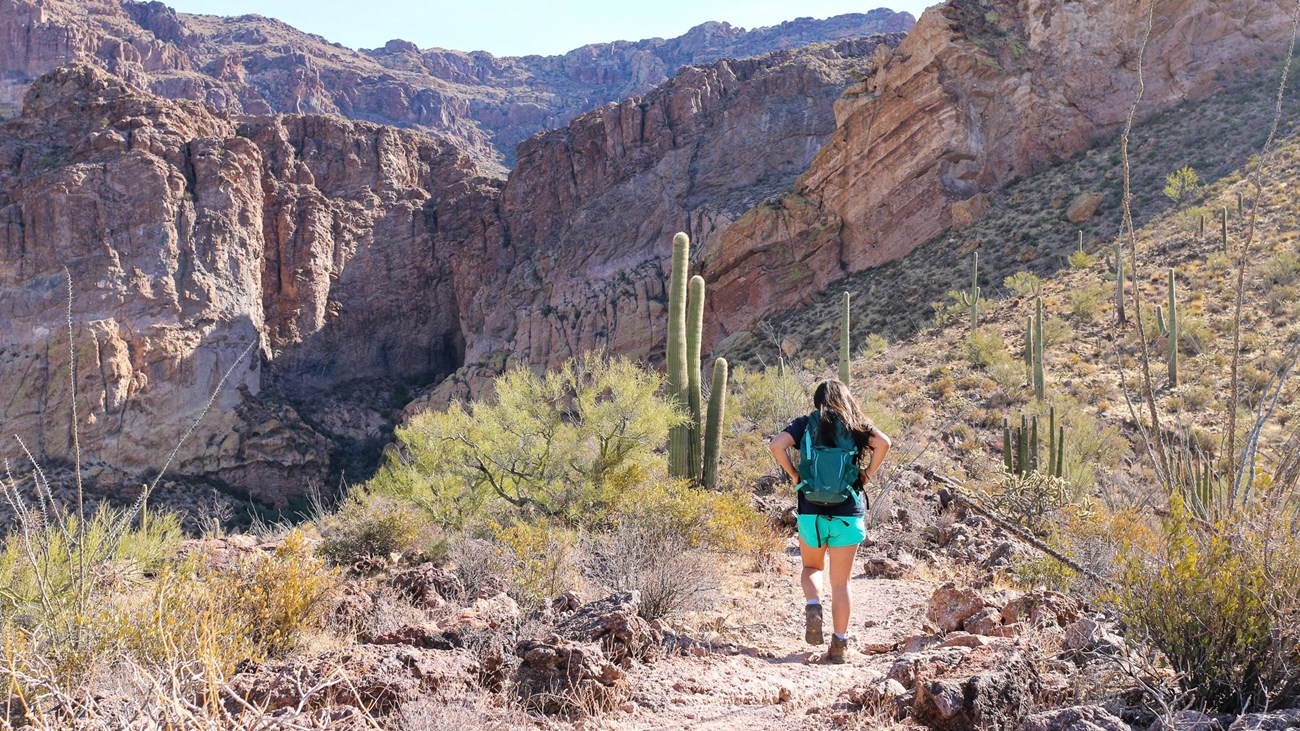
point(980, 93)
point(256, 65)
point(190, 237)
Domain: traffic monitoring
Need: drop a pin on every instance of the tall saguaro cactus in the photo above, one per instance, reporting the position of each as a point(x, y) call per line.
point(716, 416)
point(1039, 379)
point(1029, 350)
point(844, 341)
point(1173, 332)
point(1120, 316)
point(694, 329)
point(679, 438)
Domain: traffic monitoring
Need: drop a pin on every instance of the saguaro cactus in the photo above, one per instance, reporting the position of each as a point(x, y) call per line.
point(1172, 328)
point(694, 329)
point(716, 416)
point(1120, 316)
point(1021, 446)
point(1029, 350)
point(844, 340)
point(1039, 379)
point(1223, 224)
point(971, 297)
point(679, 438)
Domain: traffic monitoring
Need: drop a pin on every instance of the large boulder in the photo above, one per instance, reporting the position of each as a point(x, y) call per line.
point(1042, 609)
point(950, 607)
point(614, 624)
point(993, 687)
point(556, 675)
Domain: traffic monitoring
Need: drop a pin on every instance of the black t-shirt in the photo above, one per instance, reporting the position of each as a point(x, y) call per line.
point(852, 507)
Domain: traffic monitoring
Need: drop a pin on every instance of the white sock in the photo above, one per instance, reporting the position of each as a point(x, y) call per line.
point(814, 602)
point(839, 636)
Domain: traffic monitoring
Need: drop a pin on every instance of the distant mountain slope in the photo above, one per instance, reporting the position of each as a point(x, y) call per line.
point(483, 104)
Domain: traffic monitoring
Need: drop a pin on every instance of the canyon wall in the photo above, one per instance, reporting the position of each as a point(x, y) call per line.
point(190, 237)
point(481, 103)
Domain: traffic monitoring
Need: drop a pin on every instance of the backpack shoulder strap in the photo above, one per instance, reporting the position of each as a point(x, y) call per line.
point(805, 449)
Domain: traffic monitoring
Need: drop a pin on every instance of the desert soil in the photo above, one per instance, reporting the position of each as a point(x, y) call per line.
point(768, 677)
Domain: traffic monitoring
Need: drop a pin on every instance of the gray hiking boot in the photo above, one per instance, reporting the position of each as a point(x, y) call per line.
point(812, 626)
point(839, 649)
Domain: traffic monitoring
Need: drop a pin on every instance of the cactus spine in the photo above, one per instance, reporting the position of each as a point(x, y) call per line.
point(844, 341)
point(679, 438)
point(1039, 380)
point(1173, 332)
point(694, 329)
point(1120, 315)
point(971, 297)
point(716, 415)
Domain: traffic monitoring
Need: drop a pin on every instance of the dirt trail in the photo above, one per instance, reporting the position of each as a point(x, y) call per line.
point(776, 681)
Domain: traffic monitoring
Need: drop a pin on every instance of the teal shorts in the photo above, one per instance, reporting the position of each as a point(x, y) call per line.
point(832, 530)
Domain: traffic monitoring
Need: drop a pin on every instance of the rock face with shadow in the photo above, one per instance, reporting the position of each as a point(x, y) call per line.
point(296, 253)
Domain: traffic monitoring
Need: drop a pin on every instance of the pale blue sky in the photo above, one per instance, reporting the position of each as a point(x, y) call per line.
point(518, 27)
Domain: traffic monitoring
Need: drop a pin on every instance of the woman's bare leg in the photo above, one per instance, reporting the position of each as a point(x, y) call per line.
point(841, 600)
point(814, 561)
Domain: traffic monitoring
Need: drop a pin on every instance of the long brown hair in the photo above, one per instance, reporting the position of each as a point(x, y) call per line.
point(837, 405)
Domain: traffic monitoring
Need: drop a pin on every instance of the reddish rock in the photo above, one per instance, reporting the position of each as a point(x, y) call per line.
point(555, 675)
point(415, 635)
point(986, 622)
point(1042, 608)
point(379, 679)
point(428, 585)
point(950, 607)
point(992, 687)
point(1079, 718)
point(1083, 207)
point(613, 623)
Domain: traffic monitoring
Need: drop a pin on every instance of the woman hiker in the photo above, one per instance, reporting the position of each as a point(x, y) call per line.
point(829, 483)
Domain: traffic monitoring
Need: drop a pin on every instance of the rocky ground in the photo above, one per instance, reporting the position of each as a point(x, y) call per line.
point(940, 639)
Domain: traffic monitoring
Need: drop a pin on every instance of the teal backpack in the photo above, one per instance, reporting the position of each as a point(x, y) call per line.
point(827, 473)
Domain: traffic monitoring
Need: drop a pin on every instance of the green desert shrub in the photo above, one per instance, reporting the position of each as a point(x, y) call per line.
point(368, 525)
point(765, 399)
point(1024, 284)
point(562, 445)
point(1219, 601)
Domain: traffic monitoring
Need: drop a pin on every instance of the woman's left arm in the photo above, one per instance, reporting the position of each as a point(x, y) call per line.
point(880, 445)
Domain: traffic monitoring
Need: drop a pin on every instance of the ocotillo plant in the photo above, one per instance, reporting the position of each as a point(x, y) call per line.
point(1120, 316)
point(717, 414)
point(694, 329)
point(679, 438)
point(1039, 379)
point(971, 297)
point(844, 341)
point(1172, 328)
